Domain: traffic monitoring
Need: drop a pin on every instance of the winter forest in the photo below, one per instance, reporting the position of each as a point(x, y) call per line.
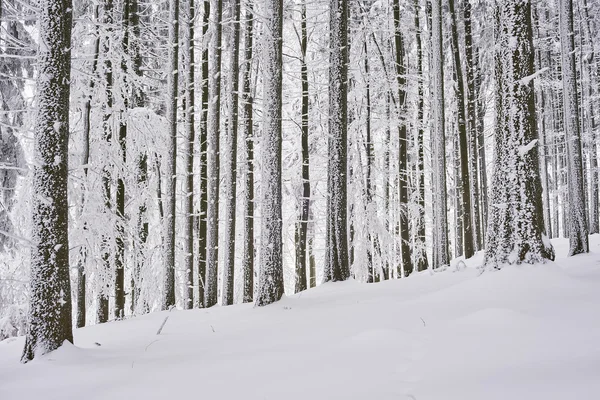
point(174, 155)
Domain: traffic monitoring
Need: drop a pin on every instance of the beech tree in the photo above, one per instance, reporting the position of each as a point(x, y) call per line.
point(49, 318)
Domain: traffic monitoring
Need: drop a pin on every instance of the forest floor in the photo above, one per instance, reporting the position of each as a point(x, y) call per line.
point(528, 332)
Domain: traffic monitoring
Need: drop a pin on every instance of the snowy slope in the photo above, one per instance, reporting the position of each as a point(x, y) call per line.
point(521, 333)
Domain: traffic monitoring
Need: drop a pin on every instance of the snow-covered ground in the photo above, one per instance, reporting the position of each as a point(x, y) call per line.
point(529, 332)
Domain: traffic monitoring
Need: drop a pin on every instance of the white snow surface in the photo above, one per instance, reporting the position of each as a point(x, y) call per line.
point(524, 332)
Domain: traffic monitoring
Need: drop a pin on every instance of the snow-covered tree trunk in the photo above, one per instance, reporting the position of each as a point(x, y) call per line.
point(247, 121)
point(119, 311)
point(578, 227)
point(463, 140)
point(203, 206)
point(49, 317)
point(231, 165)
point(405, 249)
point(85, 160)
point(304, 204)
point(337, 267)
point(420, 249)
point(516, 222)
point(168, 299)
point(214, 131)
point(438, 158)
point(472, 127)
point(270, 285)
point(190, 133)
point(107, 127)
point(142, 225)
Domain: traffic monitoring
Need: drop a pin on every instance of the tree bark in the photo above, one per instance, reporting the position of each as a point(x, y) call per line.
point(50, 287)
point(270, 285)
point(231, 170)
point(214, 131)
point(578, 227)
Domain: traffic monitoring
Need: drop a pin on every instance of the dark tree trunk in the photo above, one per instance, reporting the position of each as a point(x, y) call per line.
point(302, 224)
point(190, 129)
point(420, 246)
point(472, 127)
point(406, 266)
point(231, 173)
point(463, 140)
point(248, 252)
point(168, 299)
point(202, 225)
point(107, 21)
point(214, 131)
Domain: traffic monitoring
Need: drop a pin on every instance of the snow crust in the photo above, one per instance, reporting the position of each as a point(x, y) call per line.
point(528, 332)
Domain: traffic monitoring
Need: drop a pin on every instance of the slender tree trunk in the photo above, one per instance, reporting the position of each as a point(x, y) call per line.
point(190, 130)
point(593, 122)
point(231, 172)
point(405, 250)
point(463, 139)
point(141, 167)
point(369, 156)
point(119, 311)
point(248, 252)
point(270, 285)
point(337, 266)
point(302, 224)
point(168, 299)
point(202, 225)
point(420, 249)
point(214, 131)
point(578, 229)
point(50, 308)
point(85, 160)
point(440, 231)
point(107, 21)
point(480, 143)
point(472, 127)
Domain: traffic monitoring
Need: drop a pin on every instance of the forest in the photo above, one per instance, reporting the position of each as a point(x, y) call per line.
point(184, 154)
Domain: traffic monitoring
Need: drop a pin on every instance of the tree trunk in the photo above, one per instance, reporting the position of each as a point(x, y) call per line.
point(248, 252)
point(231, 169)
point(463, 141)
point(405, 250)
point(85, 160)
point(302, 224)
point(472, 127)
point(214, 131)
point(440, 230)
point(270, 285)
point(168, 299)
point(420, 248)
point(107, 21)
point(202, 225)
point(516, 222)
point(337, 233)
point(578, 229)
point(50, 287)
point(190, 130)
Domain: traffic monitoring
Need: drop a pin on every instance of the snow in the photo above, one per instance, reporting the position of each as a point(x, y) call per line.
point(524, 332)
